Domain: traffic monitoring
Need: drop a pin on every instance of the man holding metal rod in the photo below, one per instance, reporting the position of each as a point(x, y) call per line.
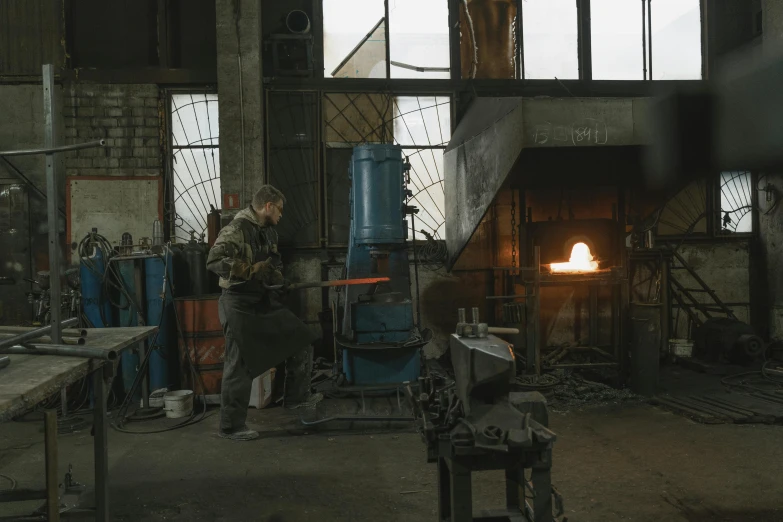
point(260, 332)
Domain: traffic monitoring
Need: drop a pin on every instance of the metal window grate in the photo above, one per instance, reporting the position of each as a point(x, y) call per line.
point(736, 202)
point(194, 184)
point(421, 125)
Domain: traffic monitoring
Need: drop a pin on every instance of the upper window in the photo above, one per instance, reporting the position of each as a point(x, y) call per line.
point(354, 39)
point(622, 46)
point(550, 39)
point(419, 38)
point(676, 40)
point(616, 27)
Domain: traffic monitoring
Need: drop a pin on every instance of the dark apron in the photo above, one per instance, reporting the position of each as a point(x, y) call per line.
point(265, 331)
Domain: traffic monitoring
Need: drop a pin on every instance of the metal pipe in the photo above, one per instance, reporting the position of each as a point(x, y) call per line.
point(75, 332)
point(61, 350)
point(419, 69)
point(72, 340)
point(327, 284)
point(35, 334)
point(649, 36)
point(298, 22)
point(585, 365)
point(415, 258)
point(54, 149)
point(500, 330)
point(50, 451)
point(644, 45)
point(4, 361)
point(52, 116)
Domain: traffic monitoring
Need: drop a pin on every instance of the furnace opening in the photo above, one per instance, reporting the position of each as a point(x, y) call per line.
point(581, 261)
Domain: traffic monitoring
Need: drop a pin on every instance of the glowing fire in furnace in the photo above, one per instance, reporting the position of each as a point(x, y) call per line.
point(581, 261)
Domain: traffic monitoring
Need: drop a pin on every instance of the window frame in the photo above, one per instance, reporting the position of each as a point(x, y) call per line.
point(169, 226)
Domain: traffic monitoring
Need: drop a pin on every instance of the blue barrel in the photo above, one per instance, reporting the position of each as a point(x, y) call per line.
point(128, 317)
point(94, 303)
point(160, 313)
point(377, 195)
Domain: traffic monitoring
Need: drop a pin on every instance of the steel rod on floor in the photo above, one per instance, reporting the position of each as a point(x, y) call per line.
point(357, 418)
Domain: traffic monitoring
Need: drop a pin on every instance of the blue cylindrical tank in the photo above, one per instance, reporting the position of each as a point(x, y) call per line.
point(95, 305)
point(130, 358)
point(160, 312)
point(377, 195)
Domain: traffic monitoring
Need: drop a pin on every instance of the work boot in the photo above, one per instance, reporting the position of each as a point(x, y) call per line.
point(307, 402)
point(242, 434)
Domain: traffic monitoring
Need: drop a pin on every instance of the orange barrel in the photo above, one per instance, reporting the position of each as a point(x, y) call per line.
point(201, 340)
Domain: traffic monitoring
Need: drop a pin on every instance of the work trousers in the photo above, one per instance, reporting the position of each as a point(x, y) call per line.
point(238, 380)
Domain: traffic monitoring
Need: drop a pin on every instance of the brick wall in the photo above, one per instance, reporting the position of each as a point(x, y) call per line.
point(128, 117)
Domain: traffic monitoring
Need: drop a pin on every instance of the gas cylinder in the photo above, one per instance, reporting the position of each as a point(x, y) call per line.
point(195, 253)
point(129, 361)
point(158, 273)
point(213, 225)
point(94, 302)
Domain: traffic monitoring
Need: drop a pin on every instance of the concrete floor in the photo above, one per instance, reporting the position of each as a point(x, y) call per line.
point(633, 462)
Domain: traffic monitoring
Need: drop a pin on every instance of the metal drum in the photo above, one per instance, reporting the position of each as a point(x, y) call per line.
point(378, 195)
point(201, 340)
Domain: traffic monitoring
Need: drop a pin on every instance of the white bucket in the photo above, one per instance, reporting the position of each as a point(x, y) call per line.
point(681, 347)
point(178, 404)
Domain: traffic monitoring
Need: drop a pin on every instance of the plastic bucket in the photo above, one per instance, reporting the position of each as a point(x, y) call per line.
point(681, 347)
point(178, 404)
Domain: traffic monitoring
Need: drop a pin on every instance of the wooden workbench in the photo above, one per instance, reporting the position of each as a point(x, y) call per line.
point(29, 379)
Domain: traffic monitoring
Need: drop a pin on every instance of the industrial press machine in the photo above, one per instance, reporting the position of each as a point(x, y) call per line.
point(381, 343)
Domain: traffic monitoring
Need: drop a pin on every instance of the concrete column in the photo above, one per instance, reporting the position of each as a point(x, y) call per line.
point(240, 99)
point(772, 21)
point(770, 227)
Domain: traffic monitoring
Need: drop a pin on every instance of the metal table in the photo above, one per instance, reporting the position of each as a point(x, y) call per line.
point(29, 379)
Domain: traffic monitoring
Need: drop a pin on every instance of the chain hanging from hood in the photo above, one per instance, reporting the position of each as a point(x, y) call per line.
point(513, 233)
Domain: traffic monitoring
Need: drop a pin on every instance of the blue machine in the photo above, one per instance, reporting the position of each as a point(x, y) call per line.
point(160, 312)
point(380, 341)
point(129, 361)
point(95, 304)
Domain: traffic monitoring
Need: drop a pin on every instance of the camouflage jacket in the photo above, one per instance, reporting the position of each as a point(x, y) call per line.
point(239, 245)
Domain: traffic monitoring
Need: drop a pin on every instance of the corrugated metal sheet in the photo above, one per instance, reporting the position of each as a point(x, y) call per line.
point(30, 35)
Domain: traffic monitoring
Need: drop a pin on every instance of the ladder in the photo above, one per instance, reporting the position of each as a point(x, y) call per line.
point(686, 299)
